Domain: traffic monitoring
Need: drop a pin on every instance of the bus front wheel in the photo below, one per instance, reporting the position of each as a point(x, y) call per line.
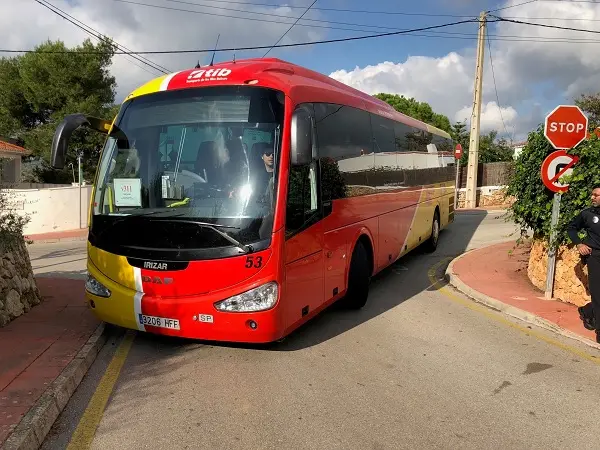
point(432, 243)
point(358, 278)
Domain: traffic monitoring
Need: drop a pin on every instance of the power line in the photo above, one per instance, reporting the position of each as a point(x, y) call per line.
point(297, 44)
point(288, 30)
point(101, 37)
point(277, 21)
point(96, 34)
point(545, 25)
point(357, 11)
point(512, 6)
point(496, 89)
point(445, 35)
point(575, 19)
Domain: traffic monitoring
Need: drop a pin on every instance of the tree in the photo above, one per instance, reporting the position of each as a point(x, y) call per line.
point(590, 105)
point(491, 149)
point(460, 135)
point(419, 110)
point(38, 89)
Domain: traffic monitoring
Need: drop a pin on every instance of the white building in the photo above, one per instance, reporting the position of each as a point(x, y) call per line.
point(10, 162)
point(517, 148)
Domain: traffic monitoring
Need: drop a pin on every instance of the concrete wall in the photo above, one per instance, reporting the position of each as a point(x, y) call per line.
point(51, 210)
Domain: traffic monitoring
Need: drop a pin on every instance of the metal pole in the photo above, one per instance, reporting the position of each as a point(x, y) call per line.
point(552, 247)
point(471, 194)
point(79, 170)
point(457, 184)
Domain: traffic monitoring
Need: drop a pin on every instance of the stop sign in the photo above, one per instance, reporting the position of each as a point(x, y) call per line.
point(566, 127)
point(458, 151)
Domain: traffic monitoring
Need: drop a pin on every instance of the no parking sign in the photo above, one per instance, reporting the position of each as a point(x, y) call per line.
point(556, 165)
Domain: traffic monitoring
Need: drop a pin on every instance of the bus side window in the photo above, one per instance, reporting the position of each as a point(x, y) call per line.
point(302, 205)
point(303, 202)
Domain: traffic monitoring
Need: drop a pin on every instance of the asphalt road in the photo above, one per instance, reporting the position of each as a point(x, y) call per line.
point(419, 367)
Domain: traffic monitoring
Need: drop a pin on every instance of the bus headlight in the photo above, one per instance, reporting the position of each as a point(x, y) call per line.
point(258, 299)
point(94, 287)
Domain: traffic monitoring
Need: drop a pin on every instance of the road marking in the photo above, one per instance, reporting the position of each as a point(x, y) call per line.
point(86, 428)
point(498, 316)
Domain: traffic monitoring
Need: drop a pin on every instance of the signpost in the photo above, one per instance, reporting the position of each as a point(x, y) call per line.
point(458, 151)
point(565, 128)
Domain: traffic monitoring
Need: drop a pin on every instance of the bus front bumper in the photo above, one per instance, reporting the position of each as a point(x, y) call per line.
point(190, 317)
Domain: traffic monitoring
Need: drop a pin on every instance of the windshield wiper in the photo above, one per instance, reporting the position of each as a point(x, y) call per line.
point(126, 216)
point(215, 227)
point(212, 226)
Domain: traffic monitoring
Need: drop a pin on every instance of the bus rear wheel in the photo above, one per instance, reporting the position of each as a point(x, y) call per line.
point(359, 277)
point(432, 243)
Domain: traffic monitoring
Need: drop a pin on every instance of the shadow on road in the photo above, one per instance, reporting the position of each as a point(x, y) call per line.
point(390, 288)
point(62, 253)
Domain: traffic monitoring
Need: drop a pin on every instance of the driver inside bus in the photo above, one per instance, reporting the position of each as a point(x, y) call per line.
point(263, 175)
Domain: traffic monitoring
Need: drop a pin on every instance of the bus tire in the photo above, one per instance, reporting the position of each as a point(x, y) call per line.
point(432, 243)
point(359, 277)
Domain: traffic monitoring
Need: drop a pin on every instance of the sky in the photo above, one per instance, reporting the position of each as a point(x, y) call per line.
point(534, 68)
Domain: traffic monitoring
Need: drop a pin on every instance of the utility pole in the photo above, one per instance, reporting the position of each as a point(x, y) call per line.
point(471, 197)
point(79, 156)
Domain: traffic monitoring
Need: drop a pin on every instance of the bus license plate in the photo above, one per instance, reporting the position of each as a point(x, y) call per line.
point(160, 322)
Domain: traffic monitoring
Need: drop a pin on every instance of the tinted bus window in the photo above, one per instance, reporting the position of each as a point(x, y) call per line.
point(343, 132)
point(401, 133)
point(418, 140)
point(383, 134)
point(345, 150)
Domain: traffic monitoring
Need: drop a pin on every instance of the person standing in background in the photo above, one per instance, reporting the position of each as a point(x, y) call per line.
point(588, 220)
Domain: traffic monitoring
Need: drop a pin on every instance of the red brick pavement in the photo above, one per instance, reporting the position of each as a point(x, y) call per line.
point(37, 346)
point(494, 272)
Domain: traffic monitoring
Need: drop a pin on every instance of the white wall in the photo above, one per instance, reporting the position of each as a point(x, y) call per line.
point(51, 210)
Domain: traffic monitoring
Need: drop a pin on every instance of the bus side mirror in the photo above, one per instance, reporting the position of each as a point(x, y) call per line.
point(70, 123)
point(302, 131)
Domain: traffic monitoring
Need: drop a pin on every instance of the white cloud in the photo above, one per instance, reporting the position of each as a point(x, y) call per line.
point(143, 28)
point(491, 118)
point(444, 82)
point(527, 72)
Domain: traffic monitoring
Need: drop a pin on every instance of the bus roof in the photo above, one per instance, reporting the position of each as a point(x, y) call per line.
point(300, 83)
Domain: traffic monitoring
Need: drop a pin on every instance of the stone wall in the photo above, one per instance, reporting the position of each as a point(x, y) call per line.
point(570, 280)
point(488, 196)
point(18, 290)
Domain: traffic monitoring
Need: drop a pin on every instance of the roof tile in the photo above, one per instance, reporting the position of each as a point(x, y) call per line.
point(12, 148)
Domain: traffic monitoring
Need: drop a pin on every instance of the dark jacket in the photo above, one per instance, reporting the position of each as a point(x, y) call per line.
point(588, 220)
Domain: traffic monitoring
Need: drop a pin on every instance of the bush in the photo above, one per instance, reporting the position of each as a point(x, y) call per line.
point(11, 223)
point(533, 206)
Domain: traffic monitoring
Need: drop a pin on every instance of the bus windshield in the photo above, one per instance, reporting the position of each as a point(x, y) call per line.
point(190, 169)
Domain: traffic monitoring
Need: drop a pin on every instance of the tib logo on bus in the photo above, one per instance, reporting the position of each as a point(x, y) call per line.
point(200, 75)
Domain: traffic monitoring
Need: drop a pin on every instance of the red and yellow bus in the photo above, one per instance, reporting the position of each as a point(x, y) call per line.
point(235, 202)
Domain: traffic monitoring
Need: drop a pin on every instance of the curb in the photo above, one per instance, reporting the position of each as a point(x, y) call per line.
point(35, 425)
point(509, 310)
point(55, 240)
point(479, 211)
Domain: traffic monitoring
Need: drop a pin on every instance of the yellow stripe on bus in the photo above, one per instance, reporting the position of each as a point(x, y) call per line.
point(149, 88)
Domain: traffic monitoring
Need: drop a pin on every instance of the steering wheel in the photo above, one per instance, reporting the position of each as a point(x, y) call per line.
point(193, 175)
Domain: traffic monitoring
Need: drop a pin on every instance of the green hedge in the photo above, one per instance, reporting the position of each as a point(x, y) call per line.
point(533, 206)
